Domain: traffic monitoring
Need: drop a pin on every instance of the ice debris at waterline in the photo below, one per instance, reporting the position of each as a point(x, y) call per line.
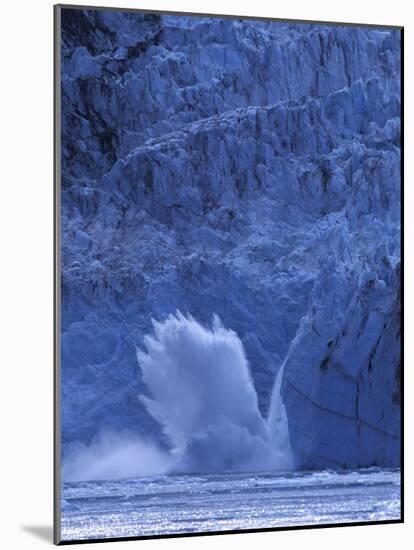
point(203, 396)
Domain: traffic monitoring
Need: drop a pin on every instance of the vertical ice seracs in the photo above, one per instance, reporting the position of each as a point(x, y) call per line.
point(249, 169)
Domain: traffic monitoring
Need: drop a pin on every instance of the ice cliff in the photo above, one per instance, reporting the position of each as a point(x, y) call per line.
point(240, 168)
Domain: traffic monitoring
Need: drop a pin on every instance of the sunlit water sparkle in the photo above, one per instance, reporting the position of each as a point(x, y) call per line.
point(173, 504)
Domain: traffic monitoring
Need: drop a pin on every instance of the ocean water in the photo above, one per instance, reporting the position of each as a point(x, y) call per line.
point(173, 504)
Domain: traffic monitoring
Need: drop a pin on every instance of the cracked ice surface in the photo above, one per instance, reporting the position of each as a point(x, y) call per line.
point(245, 169)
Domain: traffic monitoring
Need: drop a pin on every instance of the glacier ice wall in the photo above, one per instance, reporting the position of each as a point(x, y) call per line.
point(249, 169)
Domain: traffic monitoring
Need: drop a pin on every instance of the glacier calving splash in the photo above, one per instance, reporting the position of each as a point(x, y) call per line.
point(245, 169)
point(203, 396)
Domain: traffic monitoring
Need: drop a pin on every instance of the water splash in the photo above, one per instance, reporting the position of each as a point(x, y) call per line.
point(202, 394)
point(112, 456)
point(278, 425)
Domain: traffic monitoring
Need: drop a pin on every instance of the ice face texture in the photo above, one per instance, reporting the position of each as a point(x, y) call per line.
point(245, 169)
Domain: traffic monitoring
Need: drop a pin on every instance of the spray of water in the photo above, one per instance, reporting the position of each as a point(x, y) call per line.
point(201, 393)
point(278, 426)
point(112, 456)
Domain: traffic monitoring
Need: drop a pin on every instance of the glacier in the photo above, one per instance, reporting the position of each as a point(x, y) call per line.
point(245, 169)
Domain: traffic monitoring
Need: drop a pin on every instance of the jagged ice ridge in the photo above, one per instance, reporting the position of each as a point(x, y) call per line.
point(245, 169)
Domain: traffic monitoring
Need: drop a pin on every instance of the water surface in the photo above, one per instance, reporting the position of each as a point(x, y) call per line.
point(173, 504)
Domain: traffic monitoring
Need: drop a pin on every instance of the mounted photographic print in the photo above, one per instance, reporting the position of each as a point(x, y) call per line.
point(228, 274)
